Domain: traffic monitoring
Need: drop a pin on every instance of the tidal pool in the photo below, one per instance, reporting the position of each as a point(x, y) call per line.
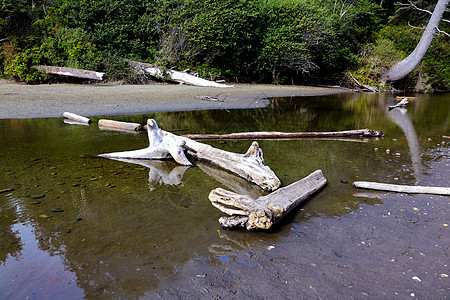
point(74, 227)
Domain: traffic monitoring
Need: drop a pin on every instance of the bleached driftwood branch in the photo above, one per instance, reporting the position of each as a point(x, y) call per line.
point(165, 145)
point(402, 188)
point(76, 118)
point(286, 135)
point(263, 212)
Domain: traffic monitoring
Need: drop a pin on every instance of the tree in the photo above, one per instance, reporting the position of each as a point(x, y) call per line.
point(407, 65)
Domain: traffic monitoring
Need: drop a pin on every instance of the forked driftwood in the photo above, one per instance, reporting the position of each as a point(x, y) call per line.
point(286, 135)
point(402, 188)
point(165, 145)
point(263, 212)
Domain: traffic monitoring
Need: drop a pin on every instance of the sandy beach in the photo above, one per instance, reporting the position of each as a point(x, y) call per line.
point(42, 101)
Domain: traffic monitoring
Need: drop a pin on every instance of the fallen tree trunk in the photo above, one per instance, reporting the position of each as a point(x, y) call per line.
point(265, 211)
point(78, 73)
point(165, 145)
point(76, 118)
point(172, 75)
point(285, 135)
point(402, 188)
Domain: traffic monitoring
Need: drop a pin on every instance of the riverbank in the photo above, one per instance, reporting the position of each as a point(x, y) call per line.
point(42, 101)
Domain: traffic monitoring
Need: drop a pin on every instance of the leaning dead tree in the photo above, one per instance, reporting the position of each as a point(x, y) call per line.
point(407, 65)
point(166, 145)
point(265, 211)
point(286, 135)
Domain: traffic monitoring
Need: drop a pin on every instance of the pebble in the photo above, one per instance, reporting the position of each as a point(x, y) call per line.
point(270, 247)
point(37, 196)
point(44, 216)
point(6, 190)
point(444, 275)
point(388, 151)
point(57, 210)
point(416, 278)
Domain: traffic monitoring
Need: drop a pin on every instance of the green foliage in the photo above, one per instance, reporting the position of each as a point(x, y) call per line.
point(20, 67)
point(70, 48)
point(295, 41)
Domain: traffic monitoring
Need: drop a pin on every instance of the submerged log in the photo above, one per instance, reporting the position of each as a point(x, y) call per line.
point(119, 125)
point(263, 212)
point(78, 73)
point(76, 118)
point(166, 145)
point(285, 135)
point(402, 188)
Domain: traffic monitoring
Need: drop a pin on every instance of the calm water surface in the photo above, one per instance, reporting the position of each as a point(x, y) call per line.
point(73, 227)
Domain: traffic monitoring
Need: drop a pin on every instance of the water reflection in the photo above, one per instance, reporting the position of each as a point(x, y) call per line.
point(400, 117)
point(122, 227)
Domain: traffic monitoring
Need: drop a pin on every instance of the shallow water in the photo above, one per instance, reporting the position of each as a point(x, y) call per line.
point(74, 227)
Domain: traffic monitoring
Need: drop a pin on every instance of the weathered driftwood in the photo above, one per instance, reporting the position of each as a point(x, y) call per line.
point(78, 73)
point(402, 188)
point(399, 98)
point(165, 145)
point(76, 118)
point(263, 212)
point(285, 135)
point(182, 77)
point(119, 125)
point(402, 103)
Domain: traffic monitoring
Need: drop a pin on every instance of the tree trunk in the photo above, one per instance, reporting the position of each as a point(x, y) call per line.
point(265, 211)
point(165, 145)
point(285, 135)
point(407, 65)
point(402, 188)
point(78, 73)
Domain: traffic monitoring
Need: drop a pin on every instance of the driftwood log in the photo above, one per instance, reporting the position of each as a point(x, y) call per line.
point(165, 145)
point(76, 118)
point(172, 75)
point(263, 212)
point(402, 188)
point(78, 73)
point(286, 135)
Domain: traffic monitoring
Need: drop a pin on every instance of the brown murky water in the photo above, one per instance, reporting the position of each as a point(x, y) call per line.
point(75, 227)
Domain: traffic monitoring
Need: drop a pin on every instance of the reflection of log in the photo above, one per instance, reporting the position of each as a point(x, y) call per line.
point(79, 73)
point(161, 172)
point(76, 118)
point(119, 125)
point(263, 212)
point(285, 135)
point(164, 145)
point(232, 182)
point(402, 188)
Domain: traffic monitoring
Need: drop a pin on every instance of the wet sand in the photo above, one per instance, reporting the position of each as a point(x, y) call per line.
point(41, 101)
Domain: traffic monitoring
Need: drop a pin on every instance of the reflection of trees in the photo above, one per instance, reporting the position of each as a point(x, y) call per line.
point(11, 243)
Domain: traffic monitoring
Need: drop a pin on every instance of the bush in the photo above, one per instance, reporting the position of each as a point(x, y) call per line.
point(19, 67)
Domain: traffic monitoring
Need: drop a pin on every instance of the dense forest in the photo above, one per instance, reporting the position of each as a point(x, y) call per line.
point(332, 42)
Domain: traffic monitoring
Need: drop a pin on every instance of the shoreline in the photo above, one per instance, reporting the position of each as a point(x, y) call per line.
point(47, 101)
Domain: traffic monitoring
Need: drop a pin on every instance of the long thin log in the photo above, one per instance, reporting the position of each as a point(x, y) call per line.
point(402, 188)
point(265, 211)
point(78, 73)
point(164, 145)
point(76, 118)
point(285, 135)
point(119, 125)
